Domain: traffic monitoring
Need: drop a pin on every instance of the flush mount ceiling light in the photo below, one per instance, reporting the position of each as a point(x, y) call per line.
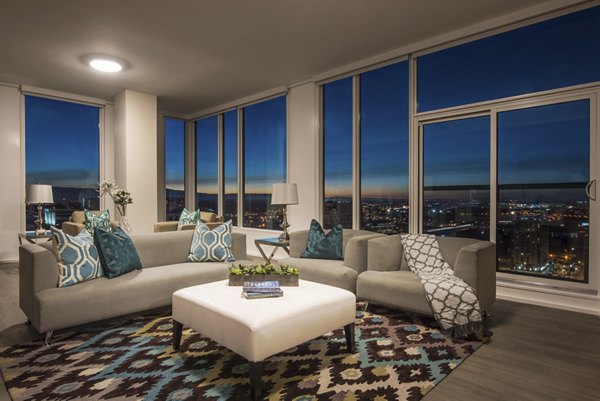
point(105, 64)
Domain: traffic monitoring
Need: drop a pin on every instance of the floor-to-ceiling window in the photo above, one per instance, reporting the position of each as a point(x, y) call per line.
point(366, 150)
point(337, 153)
point(384, 149)
point(62, 149)
point(264, 130)
point(207, 165)
point(543, 173)
point(509, 118)
point(230, 166)
point(174, 167)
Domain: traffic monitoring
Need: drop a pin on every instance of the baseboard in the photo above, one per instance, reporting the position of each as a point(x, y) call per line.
point(587, 305)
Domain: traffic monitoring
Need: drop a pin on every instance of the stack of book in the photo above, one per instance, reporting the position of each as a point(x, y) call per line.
point(261, 289)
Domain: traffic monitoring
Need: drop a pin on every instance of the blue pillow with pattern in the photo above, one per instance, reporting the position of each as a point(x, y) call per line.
point(211, 245)
point(93, 221)
point(188, 217)
point(78, 257)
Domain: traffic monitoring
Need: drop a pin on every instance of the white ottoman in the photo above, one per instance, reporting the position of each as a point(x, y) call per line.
point(259, 328)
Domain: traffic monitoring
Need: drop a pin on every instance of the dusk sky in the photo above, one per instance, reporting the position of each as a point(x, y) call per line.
point(174, 153)
point(61, 143)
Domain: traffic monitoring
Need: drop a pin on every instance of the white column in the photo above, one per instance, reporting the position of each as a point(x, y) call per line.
point(12, 195)
point(136, 156)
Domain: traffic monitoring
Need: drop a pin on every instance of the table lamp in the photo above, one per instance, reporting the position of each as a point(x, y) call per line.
point(39, 194)
point(284, 194)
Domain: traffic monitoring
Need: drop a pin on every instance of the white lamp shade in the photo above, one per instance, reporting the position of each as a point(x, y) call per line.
point(284, 194)
point(37, 193)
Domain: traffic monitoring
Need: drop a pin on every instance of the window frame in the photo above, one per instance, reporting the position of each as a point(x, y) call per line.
point(191, 154)
point(104, 172)
point(356, 143)
point(493, 108)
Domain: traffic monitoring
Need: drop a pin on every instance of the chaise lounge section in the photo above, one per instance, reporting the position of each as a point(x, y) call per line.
point(389, 282)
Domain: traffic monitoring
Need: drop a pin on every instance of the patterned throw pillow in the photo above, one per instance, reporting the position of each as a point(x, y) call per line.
point(324, 246)
point(211, 245)
point(93, 221)
point(188, 217)
point(78, 257)
point(117, 252)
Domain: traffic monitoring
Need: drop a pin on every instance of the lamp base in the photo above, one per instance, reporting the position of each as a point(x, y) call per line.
point(40, 220)
point(285, 235)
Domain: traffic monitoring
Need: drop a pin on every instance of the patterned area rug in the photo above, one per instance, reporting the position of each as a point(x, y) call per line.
point(398, 357)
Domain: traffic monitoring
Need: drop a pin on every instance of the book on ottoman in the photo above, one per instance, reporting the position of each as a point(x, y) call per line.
point(261, 289)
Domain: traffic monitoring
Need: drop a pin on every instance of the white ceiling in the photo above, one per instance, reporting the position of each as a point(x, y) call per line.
point(197, 54)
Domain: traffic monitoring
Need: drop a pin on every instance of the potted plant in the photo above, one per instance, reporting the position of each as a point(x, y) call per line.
point(121, 198)
point(287, 276)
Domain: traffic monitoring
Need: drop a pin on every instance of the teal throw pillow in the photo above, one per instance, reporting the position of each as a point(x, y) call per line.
point(78, 257)
point(324, 246)
point(188, 217)
point(211, 245)
point(93, 221)
point(117, 252)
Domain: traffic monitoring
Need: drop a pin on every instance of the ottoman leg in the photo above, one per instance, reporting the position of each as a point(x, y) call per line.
point(177, 329)
point(255, 370)
point(349, 331)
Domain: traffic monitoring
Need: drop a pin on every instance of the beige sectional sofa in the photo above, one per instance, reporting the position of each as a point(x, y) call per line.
point(389, 282)
point(165, 270)
point(338, 273)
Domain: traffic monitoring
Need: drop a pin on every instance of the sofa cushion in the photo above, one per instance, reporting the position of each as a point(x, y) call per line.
point(323, 245)
point(398, 289)
point(136, 291)
point(77, 258)
point(207, 217)
point(117, 252)
point(330, 272)
point(94, 221)
point(211, 245)
point(187, 217)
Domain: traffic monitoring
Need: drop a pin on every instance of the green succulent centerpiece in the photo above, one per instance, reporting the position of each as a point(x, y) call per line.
point(286, 275)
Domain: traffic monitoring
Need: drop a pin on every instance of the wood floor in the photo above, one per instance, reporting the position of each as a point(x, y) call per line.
point(535, 353)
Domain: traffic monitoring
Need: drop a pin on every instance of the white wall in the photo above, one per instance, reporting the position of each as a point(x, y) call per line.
point(11, 174)
point(136, 156)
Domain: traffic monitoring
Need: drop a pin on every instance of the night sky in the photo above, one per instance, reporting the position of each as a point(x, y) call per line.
point(61, 143)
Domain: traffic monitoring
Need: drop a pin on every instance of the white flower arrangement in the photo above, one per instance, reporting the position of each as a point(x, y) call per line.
point(120, 197)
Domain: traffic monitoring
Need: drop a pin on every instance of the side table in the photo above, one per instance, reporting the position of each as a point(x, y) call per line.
point(275, 243)
point(32, 236)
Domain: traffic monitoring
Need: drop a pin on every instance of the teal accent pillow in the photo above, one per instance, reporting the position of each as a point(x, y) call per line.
point(93, 221)
point(117, 252)
point(324, 246)
point(188, 217)
point(78, 257)
point(211, 245)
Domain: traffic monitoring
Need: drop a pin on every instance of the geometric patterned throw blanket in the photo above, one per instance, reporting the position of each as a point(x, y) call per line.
point(453, 302)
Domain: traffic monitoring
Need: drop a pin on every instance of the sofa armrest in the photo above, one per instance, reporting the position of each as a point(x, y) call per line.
point(38, 271)
point(298, 242)
point(476, 265)
point(385, 253)
point(238, 246)
point(71, 228)
point(163, 226)
point(355, 254)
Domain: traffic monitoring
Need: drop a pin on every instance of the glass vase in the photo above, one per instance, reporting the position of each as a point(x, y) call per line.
point(124, 224)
